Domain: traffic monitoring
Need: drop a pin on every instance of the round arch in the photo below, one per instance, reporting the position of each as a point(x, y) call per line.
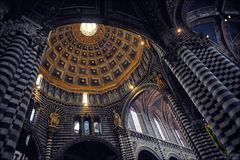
point(89, 142)
point(133, 95)
point(172, 156)
point(36, 151)
point(144, 151)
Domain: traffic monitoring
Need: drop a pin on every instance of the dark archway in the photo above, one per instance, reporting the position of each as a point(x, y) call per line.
point(146, 155)
point(89, 148)
point(133, 95)
point(27, 146)
point(173, 158)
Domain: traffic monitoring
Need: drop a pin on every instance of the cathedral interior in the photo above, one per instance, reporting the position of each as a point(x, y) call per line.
point(119, 80)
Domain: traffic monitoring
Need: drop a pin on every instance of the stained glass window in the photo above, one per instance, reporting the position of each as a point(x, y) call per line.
point(39, 81)
point(96, 127)
point(159, 129)
point(76, 127)
point(32, 115)
point(135, 120)
point(178, 137)
point(86, 126)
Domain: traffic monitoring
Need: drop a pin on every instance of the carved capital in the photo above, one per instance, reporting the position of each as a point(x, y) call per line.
point(27, 27)
point(175, 41)
point(160, 82)
point(174, 38)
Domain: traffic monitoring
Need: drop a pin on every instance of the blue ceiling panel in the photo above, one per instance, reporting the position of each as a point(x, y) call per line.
point(206, 29)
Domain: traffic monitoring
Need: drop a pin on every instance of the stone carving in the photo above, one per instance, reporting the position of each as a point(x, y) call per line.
point(117, 120)
point(54, 119)
point(26, 26)
point(160, 82)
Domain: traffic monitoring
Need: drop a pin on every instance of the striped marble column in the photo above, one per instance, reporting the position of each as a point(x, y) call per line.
point(227, 120)
point(229, 102)
point(125, 143)
point(48, 148)
point(206, 104)
point(199, 140)
point(9, 62)
point(211, 81)
point(5, 40)
point(18, 69)
point(224, 69)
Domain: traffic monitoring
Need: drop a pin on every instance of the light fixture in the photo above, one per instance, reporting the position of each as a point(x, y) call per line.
point(142, 43)
point(88, 29)
point(179, 30)
point(207, 36)
point(130, 86)
point(39, 81)
point(85, 99)
point(229, 16)
point(225, 20)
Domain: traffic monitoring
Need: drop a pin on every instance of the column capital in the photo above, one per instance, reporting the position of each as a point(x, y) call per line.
point(36, 33)
point(177, 37)
point(23, 25)
point(162, 85)
point(175, 40)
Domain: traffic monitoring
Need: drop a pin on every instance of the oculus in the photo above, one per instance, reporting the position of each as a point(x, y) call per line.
point(88, 29)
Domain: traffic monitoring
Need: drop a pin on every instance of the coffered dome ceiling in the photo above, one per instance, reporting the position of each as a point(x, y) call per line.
point(93, 64)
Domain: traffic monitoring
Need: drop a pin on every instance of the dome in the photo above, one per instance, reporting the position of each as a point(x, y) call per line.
point(97, 63)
